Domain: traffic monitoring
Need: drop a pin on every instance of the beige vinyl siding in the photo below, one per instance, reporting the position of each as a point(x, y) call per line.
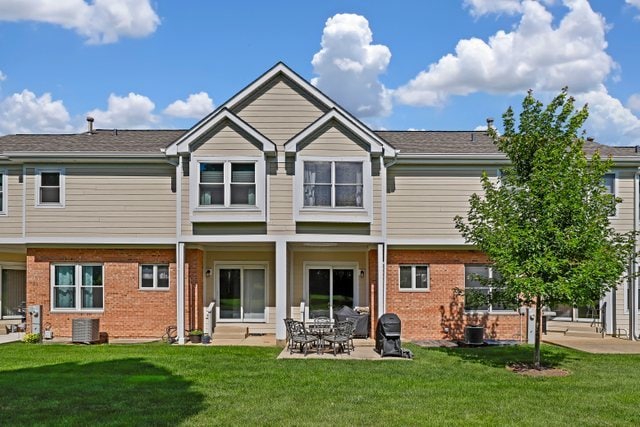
point(11, 221)
point(187, 226)
point(422, 201)
point(622, 314)
point(107, 200)
point(376, 188)
point(13, 258)
point(280, 110)
point(280, 202)
point(227, 141)
point(333, 142)
point(625, 185)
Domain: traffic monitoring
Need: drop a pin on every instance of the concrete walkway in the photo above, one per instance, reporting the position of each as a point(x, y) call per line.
point(596, 344)
point(12, 337)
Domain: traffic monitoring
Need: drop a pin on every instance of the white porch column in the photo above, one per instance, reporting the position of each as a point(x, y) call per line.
point(180, 292)
point(610, 311)
point(381, 280)
point(281, 289)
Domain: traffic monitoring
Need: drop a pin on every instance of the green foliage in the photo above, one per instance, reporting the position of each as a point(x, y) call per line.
point(545, 221)
point(32, 338)
point(196, 332)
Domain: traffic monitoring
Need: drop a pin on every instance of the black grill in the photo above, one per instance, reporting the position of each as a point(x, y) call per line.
point(388, 335)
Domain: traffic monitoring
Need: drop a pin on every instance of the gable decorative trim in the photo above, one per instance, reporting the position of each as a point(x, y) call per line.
point(184, 143)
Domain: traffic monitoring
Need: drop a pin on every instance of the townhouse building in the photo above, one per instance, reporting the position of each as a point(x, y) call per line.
point(277, 204)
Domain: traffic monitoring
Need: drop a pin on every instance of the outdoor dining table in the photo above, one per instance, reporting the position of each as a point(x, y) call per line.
point(320, 331)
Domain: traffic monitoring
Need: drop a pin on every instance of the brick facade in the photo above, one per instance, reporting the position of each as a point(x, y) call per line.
point(128, 310)
point(439, 312)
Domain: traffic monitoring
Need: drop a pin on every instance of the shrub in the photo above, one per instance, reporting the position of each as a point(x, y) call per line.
point(31, 338)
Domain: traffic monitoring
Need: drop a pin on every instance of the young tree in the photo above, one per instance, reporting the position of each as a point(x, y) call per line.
point(544, 222)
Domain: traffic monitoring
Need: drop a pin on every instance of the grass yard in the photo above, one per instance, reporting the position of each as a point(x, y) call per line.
point(158, 384)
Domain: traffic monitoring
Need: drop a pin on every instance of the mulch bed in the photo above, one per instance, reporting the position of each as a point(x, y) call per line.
point(527, 369)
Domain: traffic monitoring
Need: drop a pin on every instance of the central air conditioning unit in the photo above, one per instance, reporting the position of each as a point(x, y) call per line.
point(474, 335)
point(85, 331)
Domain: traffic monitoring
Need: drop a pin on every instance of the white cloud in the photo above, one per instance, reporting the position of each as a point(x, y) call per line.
point(633, 103)
point(196, 106)
point(101, 21)
point(534, 55)
point(483, 7)
point(609, 121)
point(348, 66)
point(636, 4)
point(26, 113)
point(133, 111)
point(3, 76)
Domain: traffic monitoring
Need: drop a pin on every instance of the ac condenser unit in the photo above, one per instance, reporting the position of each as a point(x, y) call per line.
point(85, 331)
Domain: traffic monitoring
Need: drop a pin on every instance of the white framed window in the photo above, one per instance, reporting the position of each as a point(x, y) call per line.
point(77, 287)
point(478, 287)
point(220, 187)
point(3, 191)
point(50, 187)
point(154, 276)
point(610, 181)
point(335, 184)
point(414, 278)
point(330, 189)
point(227, 184)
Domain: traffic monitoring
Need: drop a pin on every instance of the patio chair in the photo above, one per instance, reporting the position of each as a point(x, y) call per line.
point(298, 335)
point(342, 336)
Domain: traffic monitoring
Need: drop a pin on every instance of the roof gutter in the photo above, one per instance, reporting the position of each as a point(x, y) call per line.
point(499, 159)
point(89, 156)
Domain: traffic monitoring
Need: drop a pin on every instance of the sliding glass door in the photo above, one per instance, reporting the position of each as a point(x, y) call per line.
point(329, 288)
point(13, 293)
point(241, 293)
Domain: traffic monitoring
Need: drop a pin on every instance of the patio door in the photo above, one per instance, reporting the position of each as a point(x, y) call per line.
point(329, 287)
point(13, 293)
point(241, 293)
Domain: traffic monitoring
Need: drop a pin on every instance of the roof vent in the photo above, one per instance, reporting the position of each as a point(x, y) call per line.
point(90, 124)
point(489, 122)
point(590, 139)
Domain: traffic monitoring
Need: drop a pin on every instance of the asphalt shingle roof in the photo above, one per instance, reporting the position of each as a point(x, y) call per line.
point(101, 141)
point(471, 142)
point(152, 141)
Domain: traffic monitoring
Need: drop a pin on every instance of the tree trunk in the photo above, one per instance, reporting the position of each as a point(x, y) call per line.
point(536, 350)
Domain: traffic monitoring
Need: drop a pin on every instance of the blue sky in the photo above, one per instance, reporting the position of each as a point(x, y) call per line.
point(433, 65)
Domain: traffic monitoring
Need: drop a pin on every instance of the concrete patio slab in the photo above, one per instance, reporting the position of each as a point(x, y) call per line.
point(596, 345)
point(12, 337)
point(364, 350)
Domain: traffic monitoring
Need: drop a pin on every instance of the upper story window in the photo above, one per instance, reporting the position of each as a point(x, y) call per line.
point(50, 187)
point(609, 182)
point(227, 184)
point(334, 184)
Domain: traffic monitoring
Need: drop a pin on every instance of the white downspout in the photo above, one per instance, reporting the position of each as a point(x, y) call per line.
point(633, 304)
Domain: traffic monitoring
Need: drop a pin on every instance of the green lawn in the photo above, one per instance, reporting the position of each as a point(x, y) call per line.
point(159, 384)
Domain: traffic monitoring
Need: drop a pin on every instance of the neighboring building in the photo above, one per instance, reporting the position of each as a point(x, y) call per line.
point(277, 197)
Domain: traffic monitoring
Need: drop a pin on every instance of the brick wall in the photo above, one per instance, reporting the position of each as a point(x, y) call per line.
point(194, 259)
point(128, 310)
point(439, 313)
